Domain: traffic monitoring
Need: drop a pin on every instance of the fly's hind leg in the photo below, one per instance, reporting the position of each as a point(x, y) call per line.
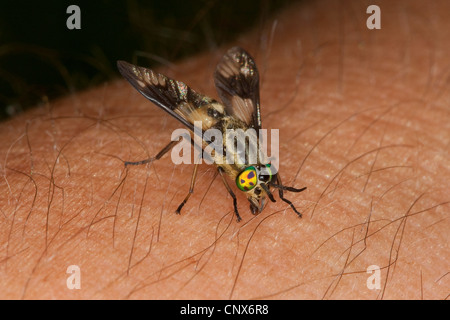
point(160, 154)
point(157, 157)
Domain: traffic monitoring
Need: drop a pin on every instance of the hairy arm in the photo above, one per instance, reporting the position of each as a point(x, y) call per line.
point(364, 124)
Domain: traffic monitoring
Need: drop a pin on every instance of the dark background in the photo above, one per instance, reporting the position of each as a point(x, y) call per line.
point(41, 59)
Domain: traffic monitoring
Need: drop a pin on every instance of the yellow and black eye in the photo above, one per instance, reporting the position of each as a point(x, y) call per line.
point(247, 179)
point(265, 174)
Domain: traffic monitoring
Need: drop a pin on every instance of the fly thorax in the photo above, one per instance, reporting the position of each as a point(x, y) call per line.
point(242, 146)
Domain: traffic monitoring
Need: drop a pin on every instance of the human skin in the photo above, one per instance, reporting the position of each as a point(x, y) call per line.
point(364, 124)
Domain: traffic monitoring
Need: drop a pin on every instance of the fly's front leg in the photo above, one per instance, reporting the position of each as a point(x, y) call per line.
point(191, 190)
point(221, 171)
point(280, 188)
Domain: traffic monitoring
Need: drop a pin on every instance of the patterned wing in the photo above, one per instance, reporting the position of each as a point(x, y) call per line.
point(174, 97)
point(237, 82)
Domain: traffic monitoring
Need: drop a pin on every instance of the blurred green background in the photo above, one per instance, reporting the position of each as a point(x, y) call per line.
point(40, 58)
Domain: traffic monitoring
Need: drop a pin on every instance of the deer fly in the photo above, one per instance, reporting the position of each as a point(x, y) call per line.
point(237, 82)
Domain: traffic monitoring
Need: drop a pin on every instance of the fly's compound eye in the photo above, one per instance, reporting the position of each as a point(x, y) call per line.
point(265, 174)
point(247, 179)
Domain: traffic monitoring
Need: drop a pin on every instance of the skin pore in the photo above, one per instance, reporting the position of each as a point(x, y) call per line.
point(364, 124)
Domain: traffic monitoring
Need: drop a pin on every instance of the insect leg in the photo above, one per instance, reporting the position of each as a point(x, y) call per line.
point(191, 190)
point(280, 188)
point(157, 157)
point(269, 194)
point(238, 217)
point(291, 189)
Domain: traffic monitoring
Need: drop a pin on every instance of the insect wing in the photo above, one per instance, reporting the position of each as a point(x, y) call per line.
point(174, 97)
point(237, 83)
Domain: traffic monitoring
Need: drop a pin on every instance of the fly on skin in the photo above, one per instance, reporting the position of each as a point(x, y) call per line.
point(237, 82)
